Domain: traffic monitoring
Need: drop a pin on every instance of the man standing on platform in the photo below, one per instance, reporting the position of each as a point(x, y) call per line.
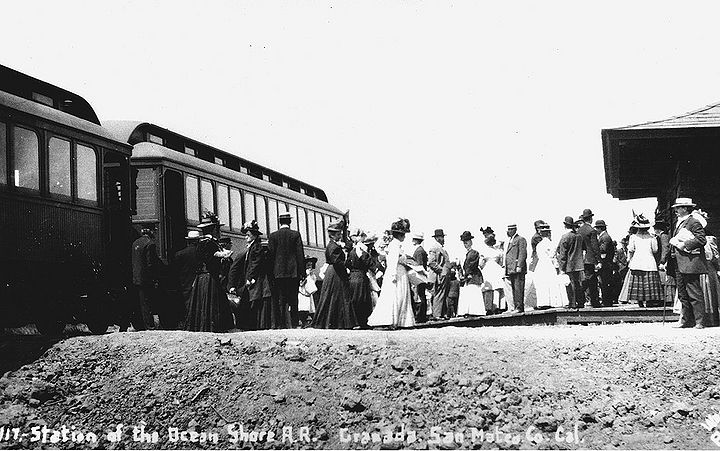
point(592, 257)
point(439, 264)
point(145, 266)
point(516, 266)
point(287, 254)
point(688, 251)
point(421, 258)
point(607, 254)
point(570, 261)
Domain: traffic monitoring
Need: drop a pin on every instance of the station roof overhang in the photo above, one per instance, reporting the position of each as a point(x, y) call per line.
point(637, 157)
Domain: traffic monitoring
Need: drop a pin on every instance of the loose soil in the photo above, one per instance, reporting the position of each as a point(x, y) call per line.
point(549, 387)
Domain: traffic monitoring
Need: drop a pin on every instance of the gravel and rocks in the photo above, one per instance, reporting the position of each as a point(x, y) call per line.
point(559, 387)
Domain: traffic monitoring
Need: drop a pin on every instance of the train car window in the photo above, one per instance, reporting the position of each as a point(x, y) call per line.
point(155, 139)
point(207, 197)
point(223, 204)
point(266, 177)
point(311, 228)
point(41, 98)
point(59, 162)
point(86, 166)
point(261, 213)
point(146, 193)
point(249, 207)
point(243, 170)
point(302, 224)
point(190, 151)
point(26, 170)
point(3, 154)
point(219, 161)
point(319, 229)
point(236, 221)
point(273, 214)
point(192, 209)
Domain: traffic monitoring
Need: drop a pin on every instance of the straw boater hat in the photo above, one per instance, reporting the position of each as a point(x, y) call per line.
point(284, 215)
point(466, 236)
point(193, 235)
point(418, 236)
point(684, 202)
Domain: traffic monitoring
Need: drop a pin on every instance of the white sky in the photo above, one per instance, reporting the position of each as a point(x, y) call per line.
point(454, 115)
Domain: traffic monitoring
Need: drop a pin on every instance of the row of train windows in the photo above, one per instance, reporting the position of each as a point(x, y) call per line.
point(24, 164)
point(235, 207)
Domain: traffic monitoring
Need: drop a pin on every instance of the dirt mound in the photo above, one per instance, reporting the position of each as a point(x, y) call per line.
point(626, 386)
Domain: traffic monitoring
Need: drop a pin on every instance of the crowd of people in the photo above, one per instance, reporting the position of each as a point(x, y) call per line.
point(370, 281)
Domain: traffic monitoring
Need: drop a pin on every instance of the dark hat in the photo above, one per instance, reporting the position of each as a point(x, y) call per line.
point(600, 223)
point(284, 216)
point(487, 230)
point(336, 226)
point(569, 221)
point(438, 232)
point(400, 226)
point(466, 236)
point(587, 213)
point(310, 259)
point(251, 226)
point(538, 223)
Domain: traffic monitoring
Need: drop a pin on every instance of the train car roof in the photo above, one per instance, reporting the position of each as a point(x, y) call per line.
point(131, 132)
point(42, 92)
point(153, 151)
point(59, 117)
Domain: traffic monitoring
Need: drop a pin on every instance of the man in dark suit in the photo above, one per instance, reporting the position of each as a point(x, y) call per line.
point(516, 266)
point(570, 260)
point(421, 258)
point(688, 243)
point(183, 268)
point(592, 257)
point(145, 266)
point(607, 253)
point(287, 255)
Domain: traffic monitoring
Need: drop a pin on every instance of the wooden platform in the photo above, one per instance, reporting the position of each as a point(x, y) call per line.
point(603, 315)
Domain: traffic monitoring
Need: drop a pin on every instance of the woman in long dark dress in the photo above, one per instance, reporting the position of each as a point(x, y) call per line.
point(335, 310)
point(265, 308)
point(208, 309)
point(358, 263)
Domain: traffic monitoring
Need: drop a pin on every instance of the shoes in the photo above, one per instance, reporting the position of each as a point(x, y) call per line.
point(699, 326)
point(683, 326)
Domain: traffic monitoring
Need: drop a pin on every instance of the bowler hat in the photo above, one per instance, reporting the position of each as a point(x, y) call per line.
point(600, 223)
point(684, 202)
point(587, 213)
point(569, 221)
point(438, 232)
point(466, 236)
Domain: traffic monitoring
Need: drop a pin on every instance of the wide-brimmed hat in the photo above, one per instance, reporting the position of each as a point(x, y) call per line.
point(418, 236)
point(587, 213)
point(600, 223)
point(370, 239)
point(438, 232)
point(684, 202)
point(641, 222)
point(209, 219)
point(400, 226)
point(569, 221)
point(466, 236)
point(357, 232)
point(251, 226)
point(487, 230)
point(311, 259)
point(193, 235)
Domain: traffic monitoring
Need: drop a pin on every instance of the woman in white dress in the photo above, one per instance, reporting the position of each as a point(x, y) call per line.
point(549, 287)
point(394, 305)
point(471, 300)
point(493, 283)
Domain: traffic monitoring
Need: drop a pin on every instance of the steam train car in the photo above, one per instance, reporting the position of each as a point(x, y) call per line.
point(177, 178)
point(65, 205)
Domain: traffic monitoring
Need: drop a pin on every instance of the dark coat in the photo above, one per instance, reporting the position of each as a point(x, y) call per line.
point(570, 252)
point(691, 260)
point(420, 256)
point(664, 246)
point(183, 268)
point(471, 269)
point(607, 249)
point(145, 261)
point(236, 274)
point(248, 266)
point(590, 244)
point(516, 255)
point(286, 253)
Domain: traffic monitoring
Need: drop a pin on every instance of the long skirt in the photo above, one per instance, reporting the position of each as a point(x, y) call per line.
point(644, 287)
point(471, 301)
point(625, 290)
point(711, 293)
point(394, 305)
point(208, 309)
point(269, 314)
point(334, 308)
point(360, 296)
point(531, 298)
